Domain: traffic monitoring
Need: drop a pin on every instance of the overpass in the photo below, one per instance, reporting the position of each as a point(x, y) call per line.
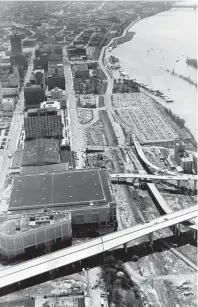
point(53, 261)
point(143, 158)
point(154, 177)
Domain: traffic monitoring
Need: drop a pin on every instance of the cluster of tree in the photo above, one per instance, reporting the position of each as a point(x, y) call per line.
point(118, 280)
point(128, 86)
point(113, 59)
point(191, 62)
point(180, 122)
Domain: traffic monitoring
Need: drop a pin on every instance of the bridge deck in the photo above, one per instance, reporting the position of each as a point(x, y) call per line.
point(96, 246)
point(155, 177)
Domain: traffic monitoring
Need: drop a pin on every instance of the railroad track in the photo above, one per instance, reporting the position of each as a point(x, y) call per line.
point(164, 295)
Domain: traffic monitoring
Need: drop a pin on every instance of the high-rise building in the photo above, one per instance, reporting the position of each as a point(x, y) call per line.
point(34, 95)
point(16, 44)
point(56, 81)
point(14, 78)
point(38, 77)
point(41, 62)
point(44, 122)
point(60, 70)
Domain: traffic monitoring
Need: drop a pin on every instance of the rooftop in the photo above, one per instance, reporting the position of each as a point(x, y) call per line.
point(60, 189)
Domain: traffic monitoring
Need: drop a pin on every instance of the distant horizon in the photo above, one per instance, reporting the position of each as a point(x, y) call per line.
point(191, 2)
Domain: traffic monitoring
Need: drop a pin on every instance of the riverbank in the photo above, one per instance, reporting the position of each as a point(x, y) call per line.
point(184, 133)
point(124, 39)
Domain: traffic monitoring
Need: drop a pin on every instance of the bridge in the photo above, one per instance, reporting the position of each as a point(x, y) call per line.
point(154, 177)
point(53, 261)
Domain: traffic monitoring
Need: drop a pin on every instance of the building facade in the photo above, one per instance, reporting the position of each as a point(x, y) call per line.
point(45, 122)
point(16, 44)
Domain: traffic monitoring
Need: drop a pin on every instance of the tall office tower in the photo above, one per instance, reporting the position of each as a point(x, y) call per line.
point(14, 78)
point(39, 77)
point(16, 44)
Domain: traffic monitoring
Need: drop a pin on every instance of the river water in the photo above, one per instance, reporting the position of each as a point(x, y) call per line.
point(161, 42)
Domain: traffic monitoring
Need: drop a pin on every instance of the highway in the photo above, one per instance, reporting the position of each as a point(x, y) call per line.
point(184, 177)
point(47, 263)
point(15, 129)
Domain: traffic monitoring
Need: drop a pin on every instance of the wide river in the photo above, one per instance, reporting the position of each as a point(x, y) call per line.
point(161, 42)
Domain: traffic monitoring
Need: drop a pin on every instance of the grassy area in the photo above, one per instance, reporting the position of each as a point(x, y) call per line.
point(124, 39)
point(128, 86)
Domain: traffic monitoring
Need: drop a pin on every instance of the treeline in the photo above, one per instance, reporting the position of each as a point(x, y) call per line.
point(179, 121)
point(191, 62)
point(188, 79)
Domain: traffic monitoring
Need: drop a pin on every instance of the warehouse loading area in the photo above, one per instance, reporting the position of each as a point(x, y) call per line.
point(60, 189)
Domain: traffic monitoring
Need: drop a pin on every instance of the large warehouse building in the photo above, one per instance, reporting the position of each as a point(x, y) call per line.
point(84, 193)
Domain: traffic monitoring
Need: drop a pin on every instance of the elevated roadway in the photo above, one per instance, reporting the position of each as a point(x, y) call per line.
point(50, 262)
point(144, 159)
point(155, 177)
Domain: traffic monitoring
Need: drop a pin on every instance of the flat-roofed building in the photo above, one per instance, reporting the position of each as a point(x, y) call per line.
point(56, 81)
point(41, 62)
point(81, 71)
point(44, 122)
point(34, 95)
point(41, 152)
point(56, 93)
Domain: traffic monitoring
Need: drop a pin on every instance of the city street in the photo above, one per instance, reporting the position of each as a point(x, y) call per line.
point(15, 129)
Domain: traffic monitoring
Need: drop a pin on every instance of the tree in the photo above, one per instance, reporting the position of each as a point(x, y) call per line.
point(112, 273)
point(109, 260)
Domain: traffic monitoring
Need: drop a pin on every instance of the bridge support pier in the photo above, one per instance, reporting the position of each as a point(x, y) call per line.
point(125, 247)
point(194, 234)
point(178, 230)
point(174, 229)
point(150, 239)
point(178, 184)
point(52, 274)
